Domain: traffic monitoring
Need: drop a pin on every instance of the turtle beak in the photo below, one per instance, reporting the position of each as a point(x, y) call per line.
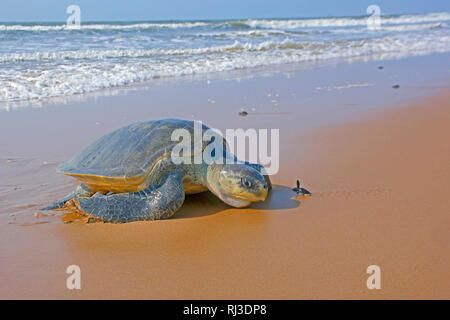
point(253, 197)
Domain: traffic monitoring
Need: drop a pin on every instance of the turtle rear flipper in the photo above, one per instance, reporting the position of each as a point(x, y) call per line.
point(148, 204)
point(80, 191)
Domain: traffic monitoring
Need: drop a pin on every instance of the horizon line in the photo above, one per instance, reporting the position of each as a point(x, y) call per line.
point(218, 19)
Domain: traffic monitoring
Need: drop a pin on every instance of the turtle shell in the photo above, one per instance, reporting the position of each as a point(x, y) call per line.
point(122, 159)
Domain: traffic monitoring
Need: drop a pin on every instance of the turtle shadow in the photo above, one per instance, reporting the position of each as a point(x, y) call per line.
point(280, 198)
point(205, 204)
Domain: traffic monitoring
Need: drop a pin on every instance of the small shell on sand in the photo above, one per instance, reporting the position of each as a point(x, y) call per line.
point(40, 215)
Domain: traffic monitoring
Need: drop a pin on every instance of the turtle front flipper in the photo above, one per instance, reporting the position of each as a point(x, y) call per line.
point(80, 191)
point(148, 204)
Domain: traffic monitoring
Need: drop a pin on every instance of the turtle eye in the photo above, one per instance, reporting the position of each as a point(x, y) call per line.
point(246, 182)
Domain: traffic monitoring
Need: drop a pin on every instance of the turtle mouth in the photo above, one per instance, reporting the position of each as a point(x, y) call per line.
point(251, 197)
point(244, 200)
point(237, 203)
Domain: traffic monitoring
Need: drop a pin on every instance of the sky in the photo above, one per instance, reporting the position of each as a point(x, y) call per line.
point(143, 10)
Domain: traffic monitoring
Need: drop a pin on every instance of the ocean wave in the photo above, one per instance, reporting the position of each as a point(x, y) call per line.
point(59, 63)
point(395, 28)
point(344, 22)
point(94, 26)
point(237, 46)
point(56, 79)
point(281, 24)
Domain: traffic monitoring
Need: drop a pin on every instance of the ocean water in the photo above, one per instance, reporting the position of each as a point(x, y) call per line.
point(46, 60)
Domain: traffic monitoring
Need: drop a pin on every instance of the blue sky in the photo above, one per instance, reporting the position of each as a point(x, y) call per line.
point(125, 10)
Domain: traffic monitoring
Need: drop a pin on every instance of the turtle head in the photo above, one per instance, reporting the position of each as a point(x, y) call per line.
point(238, 185)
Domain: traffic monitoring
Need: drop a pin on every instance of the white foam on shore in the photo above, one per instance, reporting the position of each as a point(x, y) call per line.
point(60, 63)
point(79, 76)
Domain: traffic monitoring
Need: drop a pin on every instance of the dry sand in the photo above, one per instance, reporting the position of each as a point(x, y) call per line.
point(380, 185)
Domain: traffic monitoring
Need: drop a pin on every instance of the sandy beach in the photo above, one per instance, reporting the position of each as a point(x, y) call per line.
point(376, 160)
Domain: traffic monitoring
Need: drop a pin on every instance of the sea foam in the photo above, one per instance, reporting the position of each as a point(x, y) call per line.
point(58, 62)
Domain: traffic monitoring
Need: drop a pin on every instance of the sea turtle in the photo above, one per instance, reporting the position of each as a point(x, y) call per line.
point(129, 175)
point(300, 191)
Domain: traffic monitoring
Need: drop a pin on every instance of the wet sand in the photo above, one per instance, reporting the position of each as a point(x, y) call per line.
point(379, 178)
